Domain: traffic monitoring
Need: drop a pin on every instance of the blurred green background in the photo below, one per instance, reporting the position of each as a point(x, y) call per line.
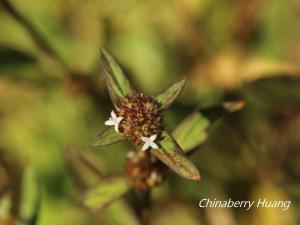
point(53, 98)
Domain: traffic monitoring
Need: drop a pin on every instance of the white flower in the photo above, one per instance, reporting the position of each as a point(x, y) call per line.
point(149, 142)
point(114, 120)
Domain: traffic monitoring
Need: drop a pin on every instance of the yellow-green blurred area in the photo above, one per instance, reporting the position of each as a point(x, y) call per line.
point(52, 101)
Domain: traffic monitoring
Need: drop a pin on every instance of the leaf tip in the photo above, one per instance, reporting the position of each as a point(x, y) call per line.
point(234, 106)
point(183, 80)
point(196, 177)
point(103, 51)
point(94, 144)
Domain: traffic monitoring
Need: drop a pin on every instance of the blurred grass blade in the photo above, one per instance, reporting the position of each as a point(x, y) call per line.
point(117, 83)
point(105, 192)
point(5, 209)
point(125, 214)
point(30, 197)
point(192, 132)
point(167, 97)
point(107, 137)
point(84, 169)
point(171, 154)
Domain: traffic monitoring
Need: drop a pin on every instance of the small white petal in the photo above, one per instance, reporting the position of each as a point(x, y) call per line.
point(153, 137)
point(117, 128)
point(154, 145)
point(144, 139)
point(113, 115)
point(145, 146)
point(109, 123)
point(119, 119)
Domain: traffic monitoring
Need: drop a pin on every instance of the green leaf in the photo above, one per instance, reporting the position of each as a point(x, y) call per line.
point(167, 97)
point(171, 154)
point(105, 192)
point(30, 201)
point(107, 137)
point(117, 83)
point(5, 207)
point(192, 131)
point(126, 214)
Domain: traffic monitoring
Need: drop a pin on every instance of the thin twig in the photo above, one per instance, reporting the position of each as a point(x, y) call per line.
point(41, 42)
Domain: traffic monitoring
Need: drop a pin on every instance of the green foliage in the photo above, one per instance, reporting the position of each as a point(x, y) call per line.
point(171, 154)
point(167, 97)
point(120, 213)
point(193, 132)
point(30, 201)
point(117, 83)
point(105, 192)
point(5, 208)
point(53, 96)
point(107, 137)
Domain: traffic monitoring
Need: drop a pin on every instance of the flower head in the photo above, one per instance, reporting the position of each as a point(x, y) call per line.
point(142, 117)
point(141, 174)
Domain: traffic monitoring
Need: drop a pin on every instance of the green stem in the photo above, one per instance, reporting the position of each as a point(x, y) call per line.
point(146, 205)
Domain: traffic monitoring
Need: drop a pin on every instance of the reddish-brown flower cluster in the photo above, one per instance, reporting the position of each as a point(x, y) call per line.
point(143, 171)
point(141, 117)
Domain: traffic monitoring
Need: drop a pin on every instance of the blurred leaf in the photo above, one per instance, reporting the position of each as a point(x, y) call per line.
point(125, 214)
point(117, 83)
point(107, 137)
point(167, 97)
point(193, 130)
point(5, 207)
point(30, 197)
point(12, 58)
point(279, 90)
point(105, 192)
point(171, 154)
point(84, 170)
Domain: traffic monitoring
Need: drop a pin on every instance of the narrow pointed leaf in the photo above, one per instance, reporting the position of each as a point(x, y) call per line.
point(31, 198)
point(192, 132)
point(107, 137)
point(117, 83)
point(105, 192)
point(167, 97)
point(171, 154)
point(5, 209)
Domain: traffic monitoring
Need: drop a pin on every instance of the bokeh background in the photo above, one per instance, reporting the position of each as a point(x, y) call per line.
point(53, 98)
